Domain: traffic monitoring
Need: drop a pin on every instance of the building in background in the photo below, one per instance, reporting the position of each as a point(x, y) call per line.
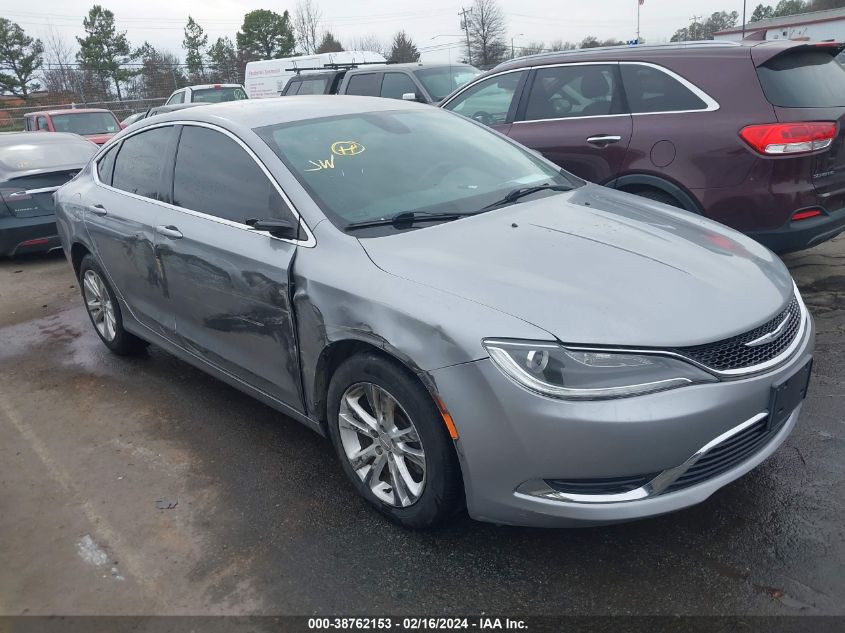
point(816, 26)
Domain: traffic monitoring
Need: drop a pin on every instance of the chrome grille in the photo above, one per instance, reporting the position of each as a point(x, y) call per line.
point(726, 455)
point(603, 486)
point(733, 353)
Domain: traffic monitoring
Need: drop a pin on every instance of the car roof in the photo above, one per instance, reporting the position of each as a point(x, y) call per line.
point(255, 113)
point(408, 66)
point(645, 52)
point(204, 86)
point(67, 111)
point(23, 153)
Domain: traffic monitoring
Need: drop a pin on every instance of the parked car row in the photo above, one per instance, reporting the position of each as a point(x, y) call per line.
point(467, 322)
point(426, 83)
point(747, 134)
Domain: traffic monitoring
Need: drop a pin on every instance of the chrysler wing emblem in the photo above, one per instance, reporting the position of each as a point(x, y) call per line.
point(771, 336)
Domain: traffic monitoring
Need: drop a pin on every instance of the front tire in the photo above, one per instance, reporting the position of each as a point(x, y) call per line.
point(104, 310)
point(392, 442)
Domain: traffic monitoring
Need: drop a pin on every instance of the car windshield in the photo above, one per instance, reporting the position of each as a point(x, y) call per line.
point(373, 165)
point(86, 123)
point(440, 82)
point(218, 95)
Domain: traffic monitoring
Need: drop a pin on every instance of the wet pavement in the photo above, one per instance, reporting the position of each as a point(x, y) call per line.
point(265, 523)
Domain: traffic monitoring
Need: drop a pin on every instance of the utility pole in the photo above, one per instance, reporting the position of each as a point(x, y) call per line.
point(695, 19)
point(465, 26)
point(743, 19)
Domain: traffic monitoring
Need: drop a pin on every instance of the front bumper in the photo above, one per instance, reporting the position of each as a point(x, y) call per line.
point(510, 440)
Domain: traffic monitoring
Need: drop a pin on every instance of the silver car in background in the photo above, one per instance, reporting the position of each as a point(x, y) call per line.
point(468, 324)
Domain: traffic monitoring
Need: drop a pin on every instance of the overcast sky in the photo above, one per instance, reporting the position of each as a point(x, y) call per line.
point(161, 21)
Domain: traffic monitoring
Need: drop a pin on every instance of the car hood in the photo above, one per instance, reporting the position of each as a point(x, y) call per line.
point(99, 139)
point(597, 266)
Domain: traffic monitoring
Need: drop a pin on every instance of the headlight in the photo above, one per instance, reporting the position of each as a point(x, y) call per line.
point(553, 370)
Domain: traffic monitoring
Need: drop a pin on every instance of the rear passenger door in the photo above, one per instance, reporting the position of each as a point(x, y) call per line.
point(364, 84)
point(575, 115)
point(230, 284)
point(123, 208)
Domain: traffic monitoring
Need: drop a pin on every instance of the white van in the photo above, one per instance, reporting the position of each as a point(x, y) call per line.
point(267, 78)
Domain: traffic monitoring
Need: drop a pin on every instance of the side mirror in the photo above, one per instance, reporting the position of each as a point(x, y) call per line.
point(284, 229)
point(123, 126)
point(410, 96)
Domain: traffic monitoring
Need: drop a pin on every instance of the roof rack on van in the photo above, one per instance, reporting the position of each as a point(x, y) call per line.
point(335, 66)
point(639, 47)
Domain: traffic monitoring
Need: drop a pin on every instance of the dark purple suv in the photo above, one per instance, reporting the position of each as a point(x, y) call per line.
point(747, 134)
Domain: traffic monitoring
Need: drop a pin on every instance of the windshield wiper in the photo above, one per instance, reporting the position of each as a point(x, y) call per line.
point(409, 217)
point(516, 194)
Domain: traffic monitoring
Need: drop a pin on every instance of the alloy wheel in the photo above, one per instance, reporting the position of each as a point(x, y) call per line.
point(382, 444)
point(99, 305)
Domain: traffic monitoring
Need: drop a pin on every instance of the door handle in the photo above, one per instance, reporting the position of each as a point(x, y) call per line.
point(169, 231)
point(603, 140)
point(97, 209)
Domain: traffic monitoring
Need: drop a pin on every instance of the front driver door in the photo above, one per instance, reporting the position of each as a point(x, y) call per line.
point(575, 116)
point(491, 101)
point(229, 285)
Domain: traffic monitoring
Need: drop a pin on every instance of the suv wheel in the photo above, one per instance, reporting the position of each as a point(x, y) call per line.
point(104, 310)
point(658, 196)
point(392, 442)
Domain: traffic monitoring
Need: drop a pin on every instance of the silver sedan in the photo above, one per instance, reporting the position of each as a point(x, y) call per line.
point(469, 325)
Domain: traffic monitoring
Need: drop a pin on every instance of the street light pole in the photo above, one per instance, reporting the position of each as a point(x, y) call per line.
point(512, 48)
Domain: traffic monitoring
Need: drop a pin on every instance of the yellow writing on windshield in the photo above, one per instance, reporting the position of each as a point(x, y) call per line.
point(321, 164)
point(347, 148)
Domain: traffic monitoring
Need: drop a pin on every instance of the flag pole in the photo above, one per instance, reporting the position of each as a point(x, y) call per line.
point(639, 2)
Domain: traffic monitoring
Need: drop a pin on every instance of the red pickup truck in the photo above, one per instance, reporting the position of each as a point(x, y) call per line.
point(95, 124)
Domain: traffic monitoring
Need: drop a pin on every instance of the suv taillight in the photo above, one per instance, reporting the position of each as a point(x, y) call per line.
point(775, 139)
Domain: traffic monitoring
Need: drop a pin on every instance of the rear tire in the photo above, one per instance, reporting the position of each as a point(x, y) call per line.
point(104, 310)
point(405, 463)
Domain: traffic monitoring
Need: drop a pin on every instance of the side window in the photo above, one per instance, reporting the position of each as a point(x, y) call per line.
point(397, 84)
point(27, 124)
point(367, 84)
point(176, 98)
point(560, 92)
point(652, 90)
point(293, 87)
point(313, 86)
point(42, 123)
point(105, 166)
point(489, 100)
point(137, 166)
point(214, 175)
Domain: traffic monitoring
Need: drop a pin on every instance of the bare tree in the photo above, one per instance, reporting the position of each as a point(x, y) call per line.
point(306, 25)
point(486, 25)
point(59, 72)
point(368, 43)
point(532, 48)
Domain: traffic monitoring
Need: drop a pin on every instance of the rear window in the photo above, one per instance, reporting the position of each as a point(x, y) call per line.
point(651, 90)
point(86, 123)
point(217, 95)
point(803, 79)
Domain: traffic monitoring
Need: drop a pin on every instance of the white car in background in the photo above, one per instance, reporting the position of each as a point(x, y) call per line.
point(207, 93)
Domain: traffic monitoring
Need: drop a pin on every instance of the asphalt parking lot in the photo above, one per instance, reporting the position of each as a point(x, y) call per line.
point(265, 523)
